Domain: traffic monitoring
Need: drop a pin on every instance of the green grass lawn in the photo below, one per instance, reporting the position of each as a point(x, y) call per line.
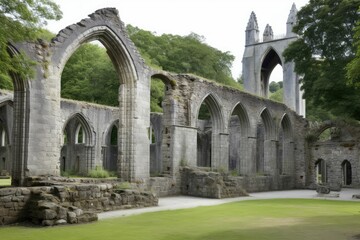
point(5, 182)
point(259, 219)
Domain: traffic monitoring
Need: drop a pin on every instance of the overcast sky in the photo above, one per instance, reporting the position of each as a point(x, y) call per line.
point(221, 22)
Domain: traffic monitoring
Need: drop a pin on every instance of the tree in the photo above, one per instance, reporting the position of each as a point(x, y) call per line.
point(322, 51)
point(353, 68)
point(21, 20)
point(274, 86)
point(88, 74)
point(184, 54)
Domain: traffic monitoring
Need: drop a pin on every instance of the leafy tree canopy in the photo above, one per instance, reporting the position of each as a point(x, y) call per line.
point(353, 68)
point(323, 50)
point(21, 20)
point(88, 74)
point(184, 54)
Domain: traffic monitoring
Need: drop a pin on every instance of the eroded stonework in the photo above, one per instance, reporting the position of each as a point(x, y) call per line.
point(248, 143)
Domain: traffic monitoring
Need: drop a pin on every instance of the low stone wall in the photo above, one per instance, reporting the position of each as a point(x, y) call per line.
point(201, 183)
point(63, 204)
point(195, 182)
point(164, 186)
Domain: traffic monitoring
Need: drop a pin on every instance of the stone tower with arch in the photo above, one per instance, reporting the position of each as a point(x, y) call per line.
point(262, 56)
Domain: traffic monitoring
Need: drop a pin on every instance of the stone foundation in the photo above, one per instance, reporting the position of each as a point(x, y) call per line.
point(54, 205)
point(201, 183)
point(195, 182)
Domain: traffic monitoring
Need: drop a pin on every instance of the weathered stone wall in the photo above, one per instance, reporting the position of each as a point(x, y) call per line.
point(96, 121)
point(339, 145)
point(204, 183)
point(67, 203)
point(6, 123)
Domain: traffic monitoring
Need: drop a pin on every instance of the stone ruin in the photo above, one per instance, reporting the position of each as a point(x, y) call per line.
point(249, 144)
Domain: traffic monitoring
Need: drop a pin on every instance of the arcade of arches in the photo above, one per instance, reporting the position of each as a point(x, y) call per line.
point(203, 125)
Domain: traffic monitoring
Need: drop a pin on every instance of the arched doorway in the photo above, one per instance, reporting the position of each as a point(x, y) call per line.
point(210, 122)
point(265, 162)
point(320, 171)
point(77, 156)
point(270, 61)
point(346, 171)
point(238, 135)
point(285, 154)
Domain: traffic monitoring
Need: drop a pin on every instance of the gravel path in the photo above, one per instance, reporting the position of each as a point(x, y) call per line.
point(182, 202)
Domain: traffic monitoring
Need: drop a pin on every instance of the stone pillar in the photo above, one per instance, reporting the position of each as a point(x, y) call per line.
point(288, 158)
point(270, 151)
point(247, 155)
point(220, 151)
point(183, 148)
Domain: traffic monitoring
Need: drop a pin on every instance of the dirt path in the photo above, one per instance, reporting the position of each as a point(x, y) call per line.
point(182, 202)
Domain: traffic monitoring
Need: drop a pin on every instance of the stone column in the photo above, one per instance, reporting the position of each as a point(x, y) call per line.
point(270, 150)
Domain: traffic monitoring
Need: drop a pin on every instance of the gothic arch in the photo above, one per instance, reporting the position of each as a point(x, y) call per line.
point(267, 119)
point(285, 153)
point(269, 61)
point(106, 27)
point(107, 133)
point(261, 56)
point(109, 148)
point(239, 128)
point(265, 144)
point(240, 111)
point(343, 126)
point(215, 109)
point(85, 123)
point(346, 172)
point(215, 157)
point(77, 156)
point(21, 124)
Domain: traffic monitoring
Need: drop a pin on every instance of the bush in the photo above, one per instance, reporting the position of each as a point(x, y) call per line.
point(99, 172)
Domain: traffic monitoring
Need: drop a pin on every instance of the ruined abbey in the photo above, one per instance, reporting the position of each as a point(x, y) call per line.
point(250, 143)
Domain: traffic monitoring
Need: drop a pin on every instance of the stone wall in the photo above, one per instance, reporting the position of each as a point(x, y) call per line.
point(203, 183)
point(54, 205)
point(195, 182)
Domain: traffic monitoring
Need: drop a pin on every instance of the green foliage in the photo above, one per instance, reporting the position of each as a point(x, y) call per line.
point(69, 174)
point(322, 52)
point(184, 54)
point(204, 113)
point(6, 82)
point(5, 182)
point(21, 21)
point(99, 172)
point(157, 93)
point(277, 95)
point(275, 86)
point(88, 74)
point(123, 186)
point(353, 69)
point(316, 113)
point(276, 91)
point(89, 71)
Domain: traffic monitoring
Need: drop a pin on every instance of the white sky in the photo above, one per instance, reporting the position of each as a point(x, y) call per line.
point(221, 22)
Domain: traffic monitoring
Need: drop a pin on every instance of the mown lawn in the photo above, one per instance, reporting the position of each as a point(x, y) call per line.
point(259, 219)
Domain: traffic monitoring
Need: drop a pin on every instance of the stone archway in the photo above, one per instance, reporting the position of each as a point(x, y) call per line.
point(217, 159)
point(77, 152)
point(239, 127)
point(346, 171)
point(261, 56)
point(265, 151)
point(286, 147)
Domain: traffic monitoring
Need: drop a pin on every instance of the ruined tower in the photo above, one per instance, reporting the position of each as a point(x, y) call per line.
point(262, 56)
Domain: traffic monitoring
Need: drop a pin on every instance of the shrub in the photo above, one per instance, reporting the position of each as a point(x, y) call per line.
point(98, 172)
